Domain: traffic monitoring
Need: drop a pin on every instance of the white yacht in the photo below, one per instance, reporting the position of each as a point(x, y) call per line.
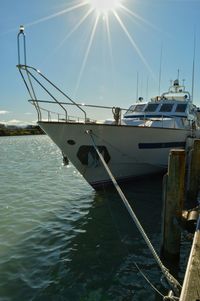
point(133, 143)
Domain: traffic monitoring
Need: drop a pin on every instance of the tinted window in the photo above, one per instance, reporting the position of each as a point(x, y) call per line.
point(130, 110)
point(166, 107)
point(181, 107)
point(139, 108)
point(135, 108)
point(151, 107)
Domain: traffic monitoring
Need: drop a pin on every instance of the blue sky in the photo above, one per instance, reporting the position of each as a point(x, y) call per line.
point(72, 48)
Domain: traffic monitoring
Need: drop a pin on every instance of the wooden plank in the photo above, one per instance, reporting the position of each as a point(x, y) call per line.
point(191, 284)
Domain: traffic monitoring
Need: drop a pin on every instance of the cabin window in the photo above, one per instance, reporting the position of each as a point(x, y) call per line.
point(181, 108)
point(139, 108)
point(151, 107)
point(130, 110)
point(166, 107)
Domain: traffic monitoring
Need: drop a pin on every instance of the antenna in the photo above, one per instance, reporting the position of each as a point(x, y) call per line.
point(147, 88)
point(193, 65)
point(178, 74)
point(160, 69)
point(141, 87)
point(137, 86)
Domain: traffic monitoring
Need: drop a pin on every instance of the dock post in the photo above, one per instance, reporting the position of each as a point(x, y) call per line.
point(194, 174)
point(173, 199)
point(191, 284)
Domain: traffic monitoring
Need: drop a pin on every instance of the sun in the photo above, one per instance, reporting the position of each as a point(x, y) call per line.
point(104, 6)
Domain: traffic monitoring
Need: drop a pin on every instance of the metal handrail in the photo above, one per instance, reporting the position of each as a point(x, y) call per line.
point(28, 82)
point(70, 117)
point(79, 104)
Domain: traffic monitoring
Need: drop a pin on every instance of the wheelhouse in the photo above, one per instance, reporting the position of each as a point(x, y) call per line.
point(158, 109)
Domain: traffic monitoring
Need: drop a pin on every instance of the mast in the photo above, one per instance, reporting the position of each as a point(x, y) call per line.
point(178, 74)
point(160, 69)
point(147, 88)
point(137, 87)
point(193, 66)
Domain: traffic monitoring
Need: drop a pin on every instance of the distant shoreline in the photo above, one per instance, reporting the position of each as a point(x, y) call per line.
point(36, 130)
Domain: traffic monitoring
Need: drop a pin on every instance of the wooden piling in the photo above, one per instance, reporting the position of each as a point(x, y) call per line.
point(173, 199)
point(194, 174)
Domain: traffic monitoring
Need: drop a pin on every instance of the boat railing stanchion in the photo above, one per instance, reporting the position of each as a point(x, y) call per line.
point(22, 65)
point(21, 34)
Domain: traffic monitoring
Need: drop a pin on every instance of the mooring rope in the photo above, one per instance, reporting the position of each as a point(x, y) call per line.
point(148, 281)
point(171, 280)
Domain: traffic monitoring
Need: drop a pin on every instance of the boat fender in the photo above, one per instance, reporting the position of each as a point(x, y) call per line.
point(189, 219)
point(65, 160)
point(192, 218)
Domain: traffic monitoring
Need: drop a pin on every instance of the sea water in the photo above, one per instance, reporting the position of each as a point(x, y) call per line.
point(61, 240)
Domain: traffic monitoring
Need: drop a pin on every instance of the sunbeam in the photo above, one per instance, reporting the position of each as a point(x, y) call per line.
point(86, 54)
point(136, 16)
point(133, 43)
point(77, 26)
point(109, 38)
point(62, 12)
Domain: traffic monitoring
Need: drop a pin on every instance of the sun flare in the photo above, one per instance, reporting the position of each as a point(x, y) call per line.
point(98, 10)
point(104, 6)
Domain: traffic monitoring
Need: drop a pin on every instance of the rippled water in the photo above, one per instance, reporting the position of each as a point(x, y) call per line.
point(60, 240)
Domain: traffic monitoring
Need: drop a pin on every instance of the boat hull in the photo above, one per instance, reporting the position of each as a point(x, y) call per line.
point(129, 151)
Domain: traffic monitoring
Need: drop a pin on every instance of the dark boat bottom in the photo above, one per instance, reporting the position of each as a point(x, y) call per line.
point(109, 185)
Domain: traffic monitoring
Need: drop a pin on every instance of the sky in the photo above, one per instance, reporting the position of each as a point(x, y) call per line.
point(101, 52)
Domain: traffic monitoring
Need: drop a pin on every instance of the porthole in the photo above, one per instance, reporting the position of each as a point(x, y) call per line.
point(71, 142)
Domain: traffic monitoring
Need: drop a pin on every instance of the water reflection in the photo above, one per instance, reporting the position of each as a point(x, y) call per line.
point(87, 250)
point(103, 257)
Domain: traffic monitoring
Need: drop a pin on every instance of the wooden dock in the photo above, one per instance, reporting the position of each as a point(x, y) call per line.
point(191, 284)
point(182, 188)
